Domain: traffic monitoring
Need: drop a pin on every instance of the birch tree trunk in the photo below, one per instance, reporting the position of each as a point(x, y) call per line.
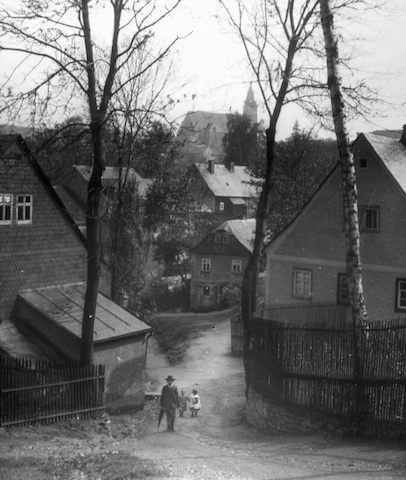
point(349, 186)
point(350, 204)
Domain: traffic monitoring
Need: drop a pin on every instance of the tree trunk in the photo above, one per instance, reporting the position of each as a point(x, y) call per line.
point(94, 245)
point(350, 199)
point(250, 277)
point(349, 187)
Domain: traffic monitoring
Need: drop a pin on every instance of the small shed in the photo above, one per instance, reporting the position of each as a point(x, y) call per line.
point(120, 338)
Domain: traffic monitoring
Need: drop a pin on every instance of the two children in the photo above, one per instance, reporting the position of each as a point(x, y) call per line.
point(193, 399)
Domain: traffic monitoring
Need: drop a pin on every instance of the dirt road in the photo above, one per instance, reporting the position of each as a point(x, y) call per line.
point(218, 444)
point(215, 445)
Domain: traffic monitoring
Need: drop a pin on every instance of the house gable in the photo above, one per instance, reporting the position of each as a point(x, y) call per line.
point(312, 247)
point(48, 249)
point(220, 259)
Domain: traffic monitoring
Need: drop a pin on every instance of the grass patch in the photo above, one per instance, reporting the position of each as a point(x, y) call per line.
point(173, 336)
point(88, 467)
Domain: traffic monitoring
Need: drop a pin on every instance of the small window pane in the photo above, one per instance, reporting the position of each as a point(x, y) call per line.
point(206, 264)
point(6, 209)
point(401, 294)
point(226, 239)
point(217, 238)
point(24, 208)
point(236, 266)
point(302, 283)
point(342, 289)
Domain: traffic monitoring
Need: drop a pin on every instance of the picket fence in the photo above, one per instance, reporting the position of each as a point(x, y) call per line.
point(316, 368)
point(33, 391)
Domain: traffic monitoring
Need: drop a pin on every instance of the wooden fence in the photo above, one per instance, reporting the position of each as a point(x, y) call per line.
point(43, 392)
point(321, 313)
point(314, 368)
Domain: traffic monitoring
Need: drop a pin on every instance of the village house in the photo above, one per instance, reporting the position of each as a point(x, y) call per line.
point(219, 260)
point(305, 263)
point(42, 282)
point(230, 192)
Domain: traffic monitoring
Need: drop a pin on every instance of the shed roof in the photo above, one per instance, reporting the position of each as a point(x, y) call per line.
point(226, 183)
point(64, 305)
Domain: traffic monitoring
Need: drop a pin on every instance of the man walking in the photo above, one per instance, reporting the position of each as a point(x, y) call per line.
point(170, 402)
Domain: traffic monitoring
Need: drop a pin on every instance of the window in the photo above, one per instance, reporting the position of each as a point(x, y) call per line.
point(236, 266)
point(362, 162)
point(400, 295)
point(302, 283)
point(6, 208)
point(221, 206)
point(206, 290)
point(206, 264)
point(217, 238)
point(370, 218)
point(342, 289)
point(24, 208)
point(226, 239)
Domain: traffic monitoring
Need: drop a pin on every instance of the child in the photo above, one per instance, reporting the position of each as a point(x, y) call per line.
point(183, 400)
point(195, 404)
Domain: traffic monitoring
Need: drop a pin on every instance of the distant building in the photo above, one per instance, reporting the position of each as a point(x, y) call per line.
point(230, 192)
point(201, 133)
point(218, 260)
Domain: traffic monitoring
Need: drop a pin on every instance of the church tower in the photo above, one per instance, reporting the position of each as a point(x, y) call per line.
point(251, 106)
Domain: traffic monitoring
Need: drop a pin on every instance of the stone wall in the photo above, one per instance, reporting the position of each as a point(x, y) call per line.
point(266, 416)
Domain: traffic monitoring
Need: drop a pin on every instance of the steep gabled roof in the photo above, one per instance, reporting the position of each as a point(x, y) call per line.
point(226, 183)
point(200, 121)
point(392, 152)
point(14, 144)
point(388, 148)
point(243, 231)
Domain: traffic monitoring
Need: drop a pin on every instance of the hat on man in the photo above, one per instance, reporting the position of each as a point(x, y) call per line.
point(170, 378)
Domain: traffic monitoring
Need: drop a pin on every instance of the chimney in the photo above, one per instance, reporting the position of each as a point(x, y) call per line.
point(232, 166)
point(403, 137)
point(211, 166)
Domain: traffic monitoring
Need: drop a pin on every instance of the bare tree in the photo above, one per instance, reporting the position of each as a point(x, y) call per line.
point(69, 69)
point(283, 44)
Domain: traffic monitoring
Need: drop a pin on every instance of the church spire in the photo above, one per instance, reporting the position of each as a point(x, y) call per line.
point(251, 106)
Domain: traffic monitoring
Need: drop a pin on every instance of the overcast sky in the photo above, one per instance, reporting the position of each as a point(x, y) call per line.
point(214, 64)
point(211, 65)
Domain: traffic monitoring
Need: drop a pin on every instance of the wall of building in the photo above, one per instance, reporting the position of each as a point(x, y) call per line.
point(221, 274)
point(42, 253)
point(315, 241)
point(125, 361)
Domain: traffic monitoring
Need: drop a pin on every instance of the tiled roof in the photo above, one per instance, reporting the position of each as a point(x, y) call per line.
point(392, 153)
point(224, 183)
point(243, 230)
point(111, 174)
point(64, 305)
point(76, 210)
